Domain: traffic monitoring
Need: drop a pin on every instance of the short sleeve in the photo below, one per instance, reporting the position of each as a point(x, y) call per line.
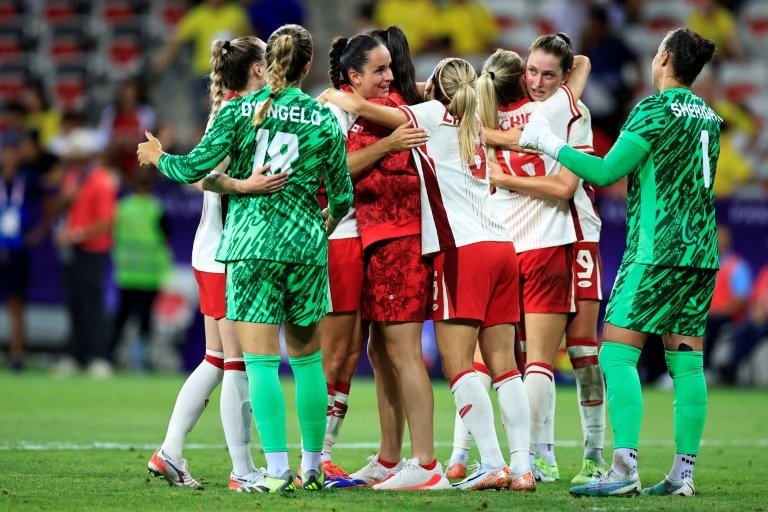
point(427, 115)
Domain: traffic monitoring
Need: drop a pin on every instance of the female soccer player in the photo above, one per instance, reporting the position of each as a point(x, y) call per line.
point(394, 290)
point(470, 299)
point(274, 246)
point(581, 331)
point(542, 230)
point(669, 149)
point(236, 69)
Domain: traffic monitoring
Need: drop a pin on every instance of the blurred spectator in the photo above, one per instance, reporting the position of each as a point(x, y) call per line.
point(715, 22)
point(71, 120)
point(123, 124)
point(466, 27)
point(20, 199)
point(732, 288)
point(41, 116)
point(417, 18)
point(734, 169)
point(201, 25)
point(142, 261)
point(88, 196)
point(12, 120)
point(752, 331)
point(611, 87)
point(266, 16)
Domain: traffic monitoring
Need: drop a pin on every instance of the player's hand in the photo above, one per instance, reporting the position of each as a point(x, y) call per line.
point(149, 153)
point(535, 129)
point(405, 137)
point(495, 174)
point(330, 222)
point(513, 141)
point(261, 183)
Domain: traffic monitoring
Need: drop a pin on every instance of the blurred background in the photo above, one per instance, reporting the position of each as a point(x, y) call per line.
point(80, 81)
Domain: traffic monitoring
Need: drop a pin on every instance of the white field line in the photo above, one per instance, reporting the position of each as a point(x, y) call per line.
point(569, 443)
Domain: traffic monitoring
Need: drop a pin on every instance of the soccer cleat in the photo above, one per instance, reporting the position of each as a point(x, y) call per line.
point(273, 485)
point(374, 472)
point(313, 480)
point(590, 470)
point(248, 482)
point(523, 483)
point(610, 484)
point(669, 487)
point(173, 471)
point(413, 477)
point(483, 478)
point(456, 471)
point(337, 478)
point(545, 472)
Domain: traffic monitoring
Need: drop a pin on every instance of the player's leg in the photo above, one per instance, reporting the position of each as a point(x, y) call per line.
point(685, 360)
point(456, 340)
point(462, 439)
point(235, 410)
point(582, 348)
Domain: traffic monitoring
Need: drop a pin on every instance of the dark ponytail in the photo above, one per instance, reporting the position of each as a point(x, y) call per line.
point(334, 71)
point(690, 52)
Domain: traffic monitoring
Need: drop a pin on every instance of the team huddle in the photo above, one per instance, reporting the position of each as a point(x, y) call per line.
point(464, 200)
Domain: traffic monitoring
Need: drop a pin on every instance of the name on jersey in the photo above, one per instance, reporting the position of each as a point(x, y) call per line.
point(293, 114)
point(509, 119)
point(694, 110)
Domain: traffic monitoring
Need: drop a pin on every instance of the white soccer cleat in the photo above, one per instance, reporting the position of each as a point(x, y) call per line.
point(373, 472)
point(669, 487)
point(483, 478)
point(248, 482)
point(175, 472)
point(413, 477)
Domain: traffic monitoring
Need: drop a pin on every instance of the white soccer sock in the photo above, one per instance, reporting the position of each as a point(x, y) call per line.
point(309, 460)
point(590, 391)
point(540, 388)
point(625, 462)
point(516, 417)
point(191, 401)
point(682, 467)
point(475, 408)
point(277, 463)
point(462, 439)
point(235, 408)
point(337, 411)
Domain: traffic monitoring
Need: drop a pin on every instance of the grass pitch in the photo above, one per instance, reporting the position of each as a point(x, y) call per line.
point(80, 444)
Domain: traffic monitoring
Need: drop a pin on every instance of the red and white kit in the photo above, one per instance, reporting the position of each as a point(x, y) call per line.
point(542, 229)
point(587, 266)
point(460, 227)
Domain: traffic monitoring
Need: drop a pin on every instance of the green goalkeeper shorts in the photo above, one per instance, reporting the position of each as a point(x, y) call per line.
point(273, 292)
point(660, 300)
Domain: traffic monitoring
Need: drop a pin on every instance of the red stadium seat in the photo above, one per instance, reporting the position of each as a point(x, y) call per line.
point(754, 18)
point(12, 85)
point(663, 15)
point(741, 80)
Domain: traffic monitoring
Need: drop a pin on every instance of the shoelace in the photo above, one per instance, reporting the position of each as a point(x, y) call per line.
point(474, 467)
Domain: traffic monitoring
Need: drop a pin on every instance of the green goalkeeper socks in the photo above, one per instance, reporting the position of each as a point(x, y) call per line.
point(687, 370)
point(625, 397)
point(267, 400)
point(311, 399)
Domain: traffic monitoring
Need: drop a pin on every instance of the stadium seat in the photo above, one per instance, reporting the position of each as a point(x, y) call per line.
point(643, 40)
point(741, 80)
point(13, 82)
point(122, 50)
point(57, 12)
point(11, 43)
point(11, 11)
point(754, 19)
point(68, 42)
point(663, 15)
point(519, 39)
point(511, 14)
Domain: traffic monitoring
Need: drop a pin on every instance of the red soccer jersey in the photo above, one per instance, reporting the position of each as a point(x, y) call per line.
point(387, 198)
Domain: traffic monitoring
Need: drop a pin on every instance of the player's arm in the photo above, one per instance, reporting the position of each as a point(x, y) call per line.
point(338, 182)
point(560, 186)
point(257, 183)
point(626, 155)
point(196, 164)
point(404, 137)
point(385, 116)
point(577, 78)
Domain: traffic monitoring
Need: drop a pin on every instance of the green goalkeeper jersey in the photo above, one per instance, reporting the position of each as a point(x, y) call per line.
point(670, 200)
point(299, 136)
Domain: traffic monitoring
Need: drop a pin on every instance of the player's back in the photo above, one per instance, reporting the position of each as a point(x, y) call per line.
point(670, 200)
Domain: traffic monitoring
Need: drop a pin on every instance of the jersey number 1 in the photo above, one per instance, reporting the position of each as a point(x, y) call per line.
point(283, 150)
point(705, 158)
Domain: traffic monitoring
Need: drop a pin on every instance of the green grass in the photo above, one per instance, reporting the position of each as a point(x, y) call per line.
point(38, 411)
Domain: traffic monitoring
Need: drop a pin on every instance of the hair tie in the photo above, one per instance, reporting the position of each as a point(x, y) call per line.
point(225, 48)
point(492, 75)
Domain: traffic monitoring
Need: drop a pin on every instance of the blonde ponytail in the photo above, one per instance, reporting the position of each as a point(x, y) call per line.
point(499, 84)
point(456, 80)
